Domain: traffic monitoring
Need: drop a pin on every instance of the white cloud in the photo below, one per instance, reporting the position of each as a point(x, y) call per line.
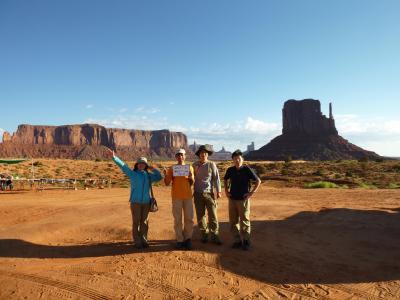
point(89, 106)
point(376, 134)
point(379, 135)
point(145, 110)
point(231, 136)
point(1, 134)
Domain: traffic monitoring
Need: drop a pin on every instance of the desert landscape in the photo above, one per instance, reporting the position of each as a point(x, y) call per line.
point(339, 243)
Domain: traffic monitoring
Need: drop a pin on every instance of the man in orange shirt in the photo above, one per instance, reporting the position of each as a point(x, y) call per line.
point(181, 176)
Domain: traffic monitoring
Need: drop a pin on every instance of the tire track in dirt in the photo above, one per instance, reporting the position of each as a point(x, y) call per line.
point(69, 287)
point(350, 291)
point(353, 291)
point(277, 287)
point(339, 287)
point(169, 289)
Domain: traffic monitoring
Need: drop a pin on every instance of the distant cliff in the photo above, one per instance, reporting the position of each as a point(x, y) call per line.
point(308, 134)
point(89, 141)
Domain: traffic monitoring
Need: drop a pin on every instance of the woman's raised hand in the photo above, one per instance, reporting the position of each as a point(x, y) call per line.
point(111, 151)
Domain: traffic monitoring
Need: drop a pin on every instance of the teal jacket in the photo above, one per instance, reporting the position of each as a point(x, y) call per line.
point(140, 187)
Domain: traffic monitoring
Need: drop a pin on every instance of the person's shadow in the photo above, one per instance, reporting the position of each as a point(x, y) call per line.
point(327, 246)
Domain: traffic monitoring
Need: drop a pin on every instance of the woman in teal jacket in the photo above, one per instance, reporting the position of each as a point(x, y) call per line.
point(141, 176)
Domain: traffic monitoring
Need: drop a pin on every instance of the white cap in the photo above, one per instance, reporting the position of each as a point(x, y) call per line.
point(142, 160)
point(180, 151)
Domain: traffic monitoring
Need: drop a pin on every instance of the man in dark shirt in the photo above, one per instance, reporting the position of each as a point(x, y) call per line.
point(238, 181)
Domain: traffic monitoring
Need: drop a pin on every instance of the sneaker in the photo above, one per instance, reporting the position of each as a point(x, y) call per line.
point(246, 245)
point(237, 245)
point(188, 244)
point(216, 240)
point(204, 238)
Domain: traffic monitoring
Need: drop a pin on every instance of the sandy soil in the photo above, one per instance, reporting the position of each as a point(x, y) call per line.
point(307, 244)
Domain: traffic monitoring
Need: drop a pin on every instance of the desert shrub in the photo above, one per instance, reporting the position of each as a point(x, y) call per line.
point(396, 168)
point(379, 160)
point(394, 185)
point(88, 174)
point(318, 173)
point(349, 174)
point(337, 176)
point(321, 185)
point(37, 164)
point(97, 160)
point(364, 159)
point(364, 185)
point(288, 159)
point(285, 172)
point(260, 168)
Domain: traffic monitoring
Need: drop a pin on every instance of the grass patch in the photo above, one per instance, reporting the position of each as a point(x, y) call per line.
point(321, 185)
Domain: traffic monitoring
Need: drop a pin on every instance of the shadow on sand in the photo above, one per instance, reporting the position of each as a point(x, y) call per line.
point(327, 246)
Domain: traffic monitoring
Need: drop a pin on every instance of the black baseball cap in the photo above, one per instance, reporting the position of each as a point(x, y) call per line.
point(237, 153)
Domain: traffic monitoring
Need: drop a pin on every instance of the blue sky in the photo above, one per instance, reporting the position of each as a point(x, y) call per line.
point(217, 70)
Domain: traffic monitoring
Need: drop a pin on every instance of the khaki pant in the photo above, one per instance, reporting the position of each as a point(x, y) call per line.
point(203, 201)
point(239, 219)
point(140, 222)
point(185, 206)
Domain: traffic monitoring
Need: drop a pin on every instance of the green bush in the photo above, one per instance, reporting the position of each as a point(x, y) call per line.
point(366, 186)
point(321, 185)
point(260, 169)
point(394, 185)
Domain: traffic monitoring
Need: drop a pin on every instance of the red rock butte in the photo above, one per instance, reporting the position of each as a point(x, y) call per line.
point(309, 135)
point(89, 141)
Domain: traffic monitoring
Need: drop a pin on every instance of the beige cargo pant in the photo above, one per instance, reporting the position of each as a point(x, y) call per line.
point(185, 231)
point(239, 219)
point(203, 202)
point(140, 222)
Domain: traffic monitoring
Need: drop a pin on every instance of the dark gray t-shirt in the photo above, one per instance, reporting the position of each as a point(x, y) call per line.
point(206, 177)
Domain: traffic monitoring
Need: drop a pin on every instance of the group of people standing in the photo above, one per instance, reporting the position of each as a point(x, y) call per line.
point(197, 184)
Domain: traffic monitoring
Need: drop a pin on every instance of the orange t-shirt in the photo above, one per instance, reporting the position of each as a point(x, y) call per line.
point(181, 189)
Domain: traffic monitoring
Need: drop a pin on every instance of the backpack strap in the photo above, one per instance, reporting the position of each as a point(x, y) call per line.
point(150, 186)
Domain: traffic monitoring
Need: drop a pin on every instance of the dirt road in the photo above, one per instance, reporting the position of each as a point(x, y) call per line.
point(307, 244)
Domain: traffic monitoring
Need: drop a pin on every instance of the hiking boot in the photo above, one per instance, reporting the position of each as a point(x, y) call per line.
point(246, 245)
point(216, 240)
point(138, 245)
point(145, 244)
point(180, 245)
point(188, 244)
point(237, 245)
point(204, 238)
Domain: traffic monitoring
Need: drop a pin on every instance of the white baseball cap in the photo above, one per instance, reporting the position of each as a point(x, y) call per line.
point(180, 151)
